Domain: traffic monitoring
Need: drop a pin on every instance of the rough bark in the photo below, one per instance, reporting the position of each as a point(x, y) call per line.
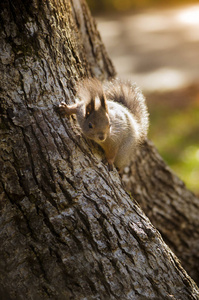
point(172, 208)
point(68, 228)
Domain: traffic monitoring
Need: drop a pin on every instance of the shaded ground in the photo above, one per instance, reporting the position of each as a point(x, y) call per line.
point(159, 49)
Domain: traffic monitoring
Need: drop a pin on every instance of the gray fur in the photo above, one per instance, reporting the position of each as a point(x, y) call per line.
point(129, 95)
point(115, 116)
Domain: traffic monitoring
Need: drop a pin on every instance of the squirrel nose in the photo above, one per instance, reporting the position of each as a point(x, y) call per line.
point(101, 137)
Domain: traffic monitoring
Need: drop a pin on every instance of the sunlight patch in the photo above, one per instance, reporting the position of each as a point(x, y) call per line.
point(189, 15)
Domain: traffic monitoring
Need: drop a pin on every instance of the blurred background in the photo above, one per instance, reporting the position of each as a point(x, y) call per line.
point(157, 45)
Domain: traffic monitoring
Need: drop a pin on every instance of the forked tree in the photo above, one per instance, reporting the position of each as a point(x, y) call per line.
point(70, 229)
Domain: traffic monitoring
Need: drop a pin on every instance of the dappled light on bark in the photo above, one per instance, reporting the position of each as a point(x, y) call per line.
point(69, 230)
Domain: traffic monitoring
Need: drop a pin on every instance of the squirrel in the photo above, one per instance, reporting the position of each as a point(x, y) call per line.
point(114, 115)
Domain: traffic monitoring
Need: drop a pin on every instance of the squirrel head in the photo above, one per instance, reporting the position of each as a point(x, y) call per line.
point(95, 123)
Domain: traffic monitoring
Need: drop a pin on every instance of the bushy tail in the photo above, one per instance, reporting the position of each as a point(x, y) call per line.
point(129, 95)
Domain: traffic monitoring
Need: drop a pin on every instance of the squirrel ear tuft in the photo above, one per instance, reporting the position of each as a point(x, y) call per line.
point(103, 102)
point(90, 107)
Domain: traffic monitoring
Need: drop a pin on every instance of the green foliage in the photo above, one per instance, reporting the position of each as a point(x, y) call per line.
point(175, 132)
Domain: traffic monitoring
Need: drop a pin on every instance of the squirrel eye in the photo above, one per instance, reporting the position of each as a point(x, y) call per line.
point(90, 125)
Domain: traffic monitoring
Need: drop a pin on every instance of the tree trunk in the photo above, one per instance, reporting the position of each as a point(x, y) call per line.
point(172, 208)
point(68, 228)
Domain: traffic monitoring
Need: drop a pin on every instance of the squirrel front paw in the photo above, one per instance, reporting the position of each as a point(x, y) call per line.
point(67, 110)
point(62, 109)
point(110, 165)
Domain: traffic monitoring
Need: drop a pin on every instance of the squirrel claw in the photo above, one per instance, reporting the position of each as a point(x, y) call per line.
point(67, 110)
point(61, 108)
point(110, 167)
point(62, 104)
